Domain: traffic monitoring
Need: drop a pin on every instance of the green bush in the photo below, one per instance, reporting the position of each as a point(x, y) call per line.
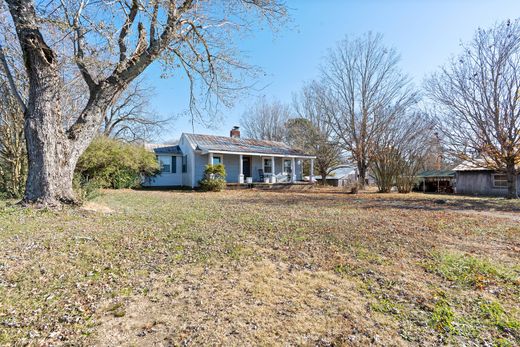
point(214, 178)
point(109, 163)
point(84, 188)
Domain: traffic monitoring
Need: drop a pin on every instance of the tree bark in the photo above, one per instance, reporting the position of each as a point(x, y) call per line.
point(51, 166)
point(323, 174)
point(512, 192)
point(362, 172)
point(52, 150)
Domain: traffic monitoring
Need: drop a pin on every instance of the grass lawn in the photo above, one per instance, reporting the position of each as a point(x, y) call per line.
point(262, 268)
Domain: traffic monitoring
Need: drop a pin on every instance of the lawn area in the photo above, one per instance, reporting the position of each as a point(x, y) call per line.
point(316, 267)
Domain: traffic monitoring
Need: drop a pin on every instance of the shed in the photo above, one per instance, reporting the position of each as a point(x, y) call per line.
point(436, 181)
point(477, 179)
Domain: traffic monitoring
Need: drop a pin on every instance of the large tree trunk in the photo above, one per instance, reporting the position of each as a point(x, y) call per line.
point(512, 190)
point(362, 172)
point(323, 173)
point(53, 151)
point(51, 166)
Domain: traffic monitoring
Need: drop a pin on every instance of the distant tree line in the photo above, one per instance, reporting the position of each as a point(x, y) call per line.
point(68, 75)
point(364, 109)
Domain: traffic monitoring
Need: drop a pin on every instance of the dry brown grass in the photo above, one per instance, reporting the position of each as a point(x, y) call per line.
point(262, 268)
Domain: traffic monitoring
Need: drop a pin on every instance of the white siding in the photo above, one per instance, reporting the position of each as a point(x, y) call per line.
point(166, 179)
point(201, 160)
point(232, 165)
point(188, 151)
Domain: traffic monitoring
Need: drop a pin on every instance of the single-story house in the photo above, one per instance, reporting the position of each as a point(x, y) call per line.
point(474, 179)
point(340, 176)
point(436, 181)
point(245, 160)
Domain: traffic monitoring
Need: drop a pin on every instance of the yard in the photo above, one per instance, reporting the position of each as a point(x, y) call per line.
point(314, 267)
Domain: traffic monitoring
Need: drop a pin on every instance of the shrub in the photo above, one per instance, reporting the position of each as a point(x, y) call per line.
point(214, 178)
point(109, 163)
point(85, 189)
point(443, 316)
point(467, 270)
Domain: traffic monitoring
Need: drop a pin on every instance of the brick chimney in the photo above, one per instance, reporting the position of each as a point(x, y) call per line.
point(235, 132)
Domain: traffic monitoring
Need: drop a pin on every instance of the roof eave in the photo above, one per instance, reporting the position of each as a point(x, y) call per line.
point(260, 154)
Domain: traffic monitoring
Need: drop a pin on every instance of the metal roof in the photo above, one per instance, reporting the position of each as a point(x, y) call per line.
point(340, 172)
point(239, 145)
point(168, 150)
point(437, 173)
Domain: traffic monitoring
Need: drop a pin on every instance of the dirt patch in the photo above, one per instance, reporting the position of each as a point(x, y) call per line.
point(493, 214)
point(267, 304)
point(96, 207)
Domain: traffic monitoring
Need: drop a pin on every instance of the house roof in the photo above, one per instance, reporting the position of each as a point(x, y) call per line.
point(437, 173)
point(212, 143)
point(475, 165)
point(339, 173)
point(175, 149)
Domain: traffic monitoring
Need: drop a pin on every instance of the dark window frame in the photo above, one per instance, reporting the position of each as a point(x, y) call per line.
point(174, 164)
point(185, 163)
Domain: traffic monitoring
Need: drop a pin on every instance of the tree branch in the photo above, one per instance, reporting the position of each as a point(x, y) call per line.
point(10, 79)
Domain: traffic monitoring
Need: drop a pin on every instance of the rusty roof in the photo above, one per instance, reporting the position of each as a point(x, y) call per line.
point(241, 145)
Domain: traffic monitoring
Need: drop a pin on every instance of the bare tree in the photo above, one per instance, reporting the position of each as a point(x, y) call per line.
point(366, 90)
point(131, 118)
point(126, 36)
point(478, 96)
point(266, 120)
point(401, 151)
point(312, 131)
point(13, 157)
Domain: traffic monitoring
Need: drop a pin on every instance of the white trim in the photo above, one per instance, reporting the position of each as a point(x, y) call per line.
point(311, 174)
point(268, 155)
point(293, 170)
point(241, 169)
point(192, 169)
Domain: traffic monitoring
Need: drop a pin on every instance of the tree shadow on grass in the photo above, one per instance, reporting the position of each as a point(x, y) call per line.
point(430, 202)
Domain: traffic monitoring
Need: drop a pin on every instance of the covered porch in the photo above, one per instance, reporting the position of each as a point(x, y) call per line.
point(261, 169)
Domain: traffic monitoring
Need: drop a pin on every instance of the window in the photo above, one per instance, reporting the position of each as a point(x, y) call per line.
point(164, 163)
point(174, 164)
point(287, 167)
point(268, 168)
point(217, 159)
point(185, 163)
point(499, 181)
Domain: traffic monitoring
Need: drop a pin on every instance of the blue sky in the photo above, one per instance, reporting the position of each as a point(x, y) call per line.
point(425, 32)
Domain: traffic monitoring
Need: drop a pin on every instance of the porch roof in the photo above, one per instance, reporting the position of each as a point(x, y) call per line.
point(223, 144)
point(175, 149)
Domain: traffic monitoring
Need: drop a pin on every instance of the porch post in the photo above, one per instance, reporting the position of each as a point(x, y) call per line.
point(210, 158)
point(293, 170)
point(240, 170)
point(311, 175)
point(272, 166)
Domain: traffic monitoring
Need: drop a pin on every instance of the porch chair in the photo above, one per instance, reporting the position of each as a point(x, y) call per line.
point(261, 174)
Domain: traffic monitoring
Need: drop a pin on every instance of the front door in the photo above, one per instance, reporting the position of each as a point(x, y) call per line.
point(287, 168)
point(246, 166)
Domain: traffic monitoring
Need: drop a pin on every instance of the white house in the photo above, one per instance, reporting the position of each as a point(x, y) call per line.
point(245, 160)
point(340, 176)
